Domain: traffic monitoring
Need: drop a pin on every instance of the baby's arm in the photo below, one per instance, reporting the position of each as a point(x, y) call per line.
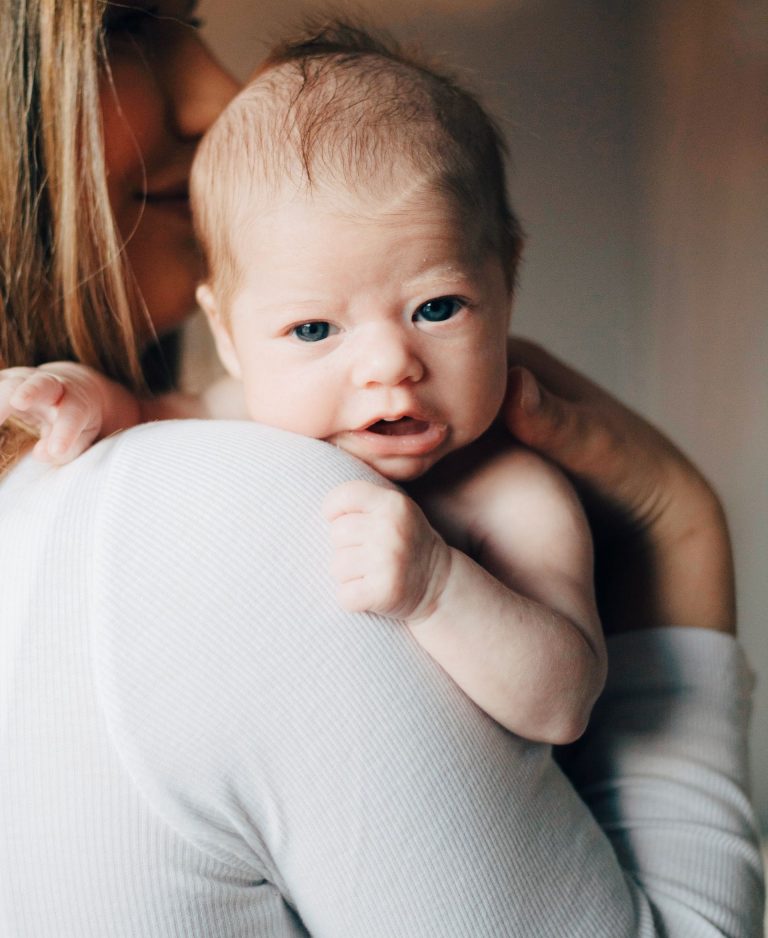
point(70, 406)
point(536, 651)
point(520, 634)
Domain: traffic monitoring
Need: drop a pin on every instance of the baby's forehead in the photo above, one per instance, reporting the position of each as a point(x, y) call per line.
point(303, 246)
point(378, 206)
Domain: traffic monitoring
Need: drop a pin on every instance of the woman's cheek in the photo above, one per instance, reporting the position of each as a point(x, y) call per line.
point(133, 124)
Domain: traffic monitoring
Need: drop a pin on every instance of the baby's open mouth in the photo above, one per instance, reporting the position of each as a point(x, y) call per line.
point(405, 436)
point(404, 426)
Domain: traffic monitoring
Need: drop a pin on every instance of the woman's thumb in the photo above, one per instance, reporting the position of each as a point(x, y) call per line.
point(542, 420)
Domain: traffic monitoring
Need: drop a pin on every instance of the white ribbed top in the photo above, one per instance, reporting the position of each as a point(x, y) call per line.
point(195, 740)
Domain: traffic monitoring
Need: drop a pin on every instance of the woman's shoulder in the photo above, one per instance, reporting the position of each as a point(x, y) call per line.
point(230, 464)
point(213, 610)
point(192, 475)
point(155, 476)
point(192, 446)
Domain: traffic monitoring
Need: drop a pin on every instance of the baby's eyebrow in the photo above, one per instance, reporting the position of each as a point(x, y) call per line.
point(314, 308)
point(450, 271)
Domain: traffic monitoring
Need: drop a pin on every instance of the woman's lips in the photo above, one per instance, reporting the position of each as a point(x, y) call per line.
point(172, 191)
point(174, 200)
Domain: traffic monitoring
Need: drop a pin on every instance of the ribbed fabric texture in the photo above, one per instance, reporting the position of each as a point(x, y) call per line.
point(196, 741)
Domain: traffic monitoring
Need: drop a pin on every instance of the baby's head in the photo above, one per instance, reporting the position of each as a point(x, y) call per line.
point(360, 250)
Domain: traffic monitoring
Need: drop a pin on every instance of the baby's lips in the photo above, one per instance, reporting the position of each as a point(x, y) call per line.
point(419, 438)
point(402, 426)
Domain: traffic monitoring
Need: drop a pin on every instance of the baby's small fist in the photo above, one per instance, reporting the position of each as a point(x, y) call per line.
point(386, 557)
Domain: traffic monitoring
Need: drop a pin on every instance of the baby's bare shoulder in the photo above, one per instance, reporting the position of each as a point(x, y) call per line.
point(527, 522)
point(516, 479)
point(506, 493)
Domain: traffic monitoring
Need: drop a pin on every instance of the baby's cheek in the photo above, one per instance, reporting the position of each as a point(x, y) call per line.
point(489, 400)
point(498, 382)
point(267, 404)
point(288, 408)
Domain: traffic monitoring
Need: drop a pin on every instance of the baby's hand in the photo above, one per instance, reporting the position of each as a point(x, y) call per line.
point(61, 402)
point(386, 557)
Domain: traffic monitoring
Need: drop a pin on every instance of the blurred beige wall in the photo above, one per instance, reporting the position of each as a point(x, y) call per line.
point(639, 135)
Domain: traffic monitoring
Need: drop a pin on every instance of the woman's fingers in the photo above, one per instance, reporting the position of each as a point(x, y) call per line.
point(559, 377)
point(603, 446)
point(662, 549)
point(553, 425)
point(606, 448)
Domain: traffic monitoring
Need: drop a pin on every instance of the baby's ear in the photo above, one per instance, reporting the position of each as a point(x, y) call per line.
point(220, 330)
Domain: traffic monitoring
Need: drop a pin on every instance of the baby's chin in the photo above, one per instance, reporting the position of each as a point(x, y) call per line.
point(401, 469)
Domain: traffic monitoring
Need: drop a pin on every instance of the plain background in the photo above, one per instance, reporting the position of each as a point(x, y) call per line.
point(639, 140)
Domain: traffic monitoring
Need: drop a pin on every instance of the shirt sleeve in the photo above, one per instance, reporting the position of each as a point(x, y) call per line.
point(327, 753)
point(663, 768)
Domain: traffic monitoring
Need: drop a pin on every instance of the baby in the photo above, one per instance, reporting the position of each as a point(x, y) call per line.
point(361, 256)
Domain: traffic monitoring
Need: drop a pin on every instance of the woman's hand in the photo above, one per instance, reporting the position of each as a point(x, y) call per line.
point(662, 551)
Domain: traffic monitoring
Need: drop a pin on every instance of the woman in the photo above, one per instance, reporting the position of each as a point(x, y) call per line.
point(196, 740)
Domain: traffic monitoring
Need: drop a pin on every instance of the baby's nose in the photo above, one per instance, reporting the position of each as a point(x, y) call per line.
point(386, 357)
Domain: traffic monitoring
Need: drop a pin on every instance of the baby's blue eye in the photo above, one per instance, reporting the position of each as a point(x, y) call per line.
point(439, 309)
point(312, 331)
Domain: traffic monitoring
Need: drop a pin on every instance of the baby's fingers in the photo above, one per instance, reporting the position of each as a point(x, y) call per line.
point(349, 563)
point(355, 595)
point(359, 585)
point(30, 395)
point(11, 379)
point(72, 433)
point(352, 530)
point(353, 497)
point(66, 423)
point(36, 393)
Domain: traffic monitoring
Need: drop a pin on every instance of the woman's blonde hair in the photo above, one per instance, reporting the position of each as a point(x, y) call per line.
point(65, 290)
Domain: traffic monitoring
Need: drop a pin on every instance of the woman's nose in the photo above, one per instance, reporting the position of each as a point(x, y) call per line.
point(199, 87)
point(386, 358)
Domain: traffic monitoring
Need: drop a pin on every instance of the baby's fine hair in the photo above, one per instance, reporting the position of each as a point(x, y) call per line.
point(339, 107)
